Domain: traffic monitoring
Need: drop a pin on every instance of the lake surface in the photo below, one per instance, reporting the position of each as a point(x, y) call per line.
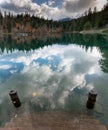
point(54, 73)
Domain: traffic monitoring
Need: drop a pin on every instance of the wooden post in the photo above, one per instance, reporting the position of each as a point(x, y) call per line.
point(15, 98)
point(91, 99)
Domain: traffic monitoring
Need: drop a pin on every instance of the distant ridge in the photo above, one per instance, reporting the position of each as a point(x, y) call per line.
point(65, 19)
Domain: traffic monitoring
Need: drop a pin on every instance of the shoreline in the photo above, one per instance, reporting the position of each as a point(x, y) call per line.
point(103, 31)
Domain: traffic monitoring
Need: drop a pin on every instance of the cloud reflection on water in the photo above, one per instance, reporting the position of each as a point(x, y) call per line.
point(52, 72)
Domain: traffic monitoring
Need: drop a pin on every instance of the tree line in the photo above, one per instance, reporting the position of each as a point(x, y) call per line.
point(25, 22)
point(89, 20)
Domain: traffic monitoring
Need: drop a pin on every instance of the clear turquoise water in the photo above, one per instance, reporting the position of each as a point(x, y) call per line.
point(54, 74)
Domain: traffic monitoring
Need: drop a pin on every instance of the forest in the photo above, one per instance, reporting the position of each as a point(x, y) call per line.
point(89, 20)
point(25, 23)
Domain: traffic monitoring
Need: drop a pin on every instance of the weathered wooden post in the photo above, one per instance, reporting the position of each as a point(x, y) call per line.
point(15, 98)
point(91, 99)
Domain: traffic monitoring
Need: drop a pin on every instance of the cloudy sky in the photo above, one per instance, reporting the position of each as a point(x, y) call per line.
point(52, 9)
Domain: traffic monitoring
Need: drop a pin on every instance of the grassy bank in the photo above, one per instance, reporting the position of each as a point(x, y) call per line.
point(96, 31)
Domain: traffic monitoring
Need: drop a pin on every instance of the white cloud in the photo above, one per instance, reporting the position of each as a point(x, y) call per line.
point(5, 66)
point(100, 4)
point(95, 52)
point(51, 3)
point(78, 5)
point(13, 71)
point(19, 6)
point(49, 12)
point(68, 8)
point(90, 87)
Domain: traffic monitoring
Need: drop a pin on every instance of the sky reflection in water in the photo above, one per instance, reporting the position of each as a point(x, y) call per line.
point(50, 78)
point(49, 69)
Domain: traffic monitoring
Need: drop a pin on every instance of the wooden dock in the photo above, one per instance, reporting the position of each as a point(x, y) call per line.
point(53, 121)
